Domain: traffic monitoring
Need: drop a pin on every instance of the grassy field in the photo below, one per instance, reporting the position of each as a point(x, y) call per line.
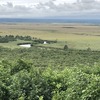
point(76, 36)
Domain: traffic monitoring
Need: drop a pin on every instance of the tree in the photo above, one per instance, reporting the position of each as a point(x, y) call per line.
point(65, 47)
point(88, 49)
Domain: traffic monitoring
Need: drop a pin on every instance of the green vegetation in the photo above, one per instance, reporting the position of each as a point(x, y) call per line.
point(65, 47)
point(53, 68)
point(77, 36)
point(49, 74)
point(9, 38)
point(12, 41)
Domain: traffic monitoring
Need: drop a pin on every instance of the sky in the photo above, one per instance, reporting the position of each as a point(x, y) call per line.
point(49, 8)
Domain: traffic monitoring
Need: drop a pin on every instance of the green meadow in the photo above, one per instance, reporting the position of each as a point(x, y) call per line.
point(76, 36)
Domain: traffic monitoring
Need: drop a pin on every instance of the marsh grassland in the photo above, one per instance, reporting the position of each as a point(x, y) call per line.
point(77, 36)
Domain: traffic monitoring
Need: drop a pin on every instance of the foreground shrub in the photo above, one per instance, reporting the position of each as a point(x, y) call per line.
point(34, 83)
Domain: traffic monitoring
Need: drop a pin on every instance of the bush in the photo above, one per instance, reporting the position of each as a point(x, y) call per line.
point(65, 47)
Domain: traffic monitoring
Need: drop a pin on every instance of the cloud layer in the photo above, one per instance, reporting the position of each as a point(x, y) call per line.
point(89, 8)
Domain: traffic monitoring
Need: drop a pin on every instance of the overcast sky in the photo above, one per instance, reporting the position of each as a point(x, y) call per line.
point(49, 8)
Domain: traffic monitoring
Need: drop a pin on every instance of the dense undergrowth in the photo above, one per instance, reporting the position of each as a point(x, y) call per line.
point(49, 74)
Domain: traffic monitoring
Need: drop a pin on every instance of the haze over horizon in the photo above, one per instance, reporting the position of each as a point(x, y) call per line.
point(50, 9)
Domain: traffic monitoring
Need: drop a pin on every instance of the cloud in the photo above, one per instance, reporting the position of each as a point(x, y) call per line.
point(87, 1)
point(50, 8)
point(9, 10)
point(67, 6)
point(82, 7)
